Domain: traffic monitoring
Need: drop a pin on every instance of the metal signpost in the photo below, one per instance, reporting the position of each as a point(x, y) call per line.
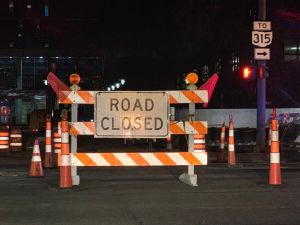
point(261, 37)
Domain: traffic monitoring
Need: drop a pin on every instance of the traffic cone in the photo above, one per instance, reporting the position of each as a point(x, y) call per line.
point(36, 169)
point(231, 152)
point(169, 143)
point(57, 141)
point(65, 168)
point(199, 143)
point(222, 144)
point(275, 173)
point(48, 163)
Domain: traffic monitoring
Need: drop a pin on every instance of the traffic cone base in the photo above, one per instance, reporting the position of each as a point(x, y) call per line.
point(36, 169)
point(275, 174)
point(231, 158)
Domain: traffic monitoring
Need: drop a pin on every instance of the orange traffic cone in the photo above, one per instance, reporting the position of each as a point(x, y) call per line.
point(231, 152)
point(169, 143)
point(48, 147)
point(222, 144)
point(65, 168)
point(275, 173)
point(36, 169)
point(199, 142)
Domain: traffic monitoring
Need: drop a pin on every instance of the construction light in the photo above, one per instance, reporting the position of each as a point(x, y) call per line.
point(108, 89)
point(113, 87)
point(117, 85)
point(249, 72)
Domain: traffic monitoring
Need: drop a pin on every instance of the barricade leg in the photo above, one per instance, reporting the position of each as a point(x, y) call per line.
point(190, 178)
point(74, 175)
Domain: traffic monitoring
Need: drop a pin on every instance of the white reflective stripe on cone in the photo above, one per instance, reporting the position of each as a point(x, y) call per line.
point(57, 151)
point(230, 147)
point(222, 135)
point(48, 133)
point(274, 136)
point(4, 138)
point(222, 145)
point(64, 138)
point(36, 149)
point(15, 135)
point(275, 157)
point(4, 146)
point(57, 140)
point(15, 144)
point(48, 148)
point(36, 158)
point(65, 160)
point(199, 141)
point(231, 132)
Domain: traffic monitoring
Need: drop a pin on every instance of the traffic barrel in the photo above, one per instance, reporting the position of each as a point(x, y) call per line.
point(57, 141)
point(48, 163)
point(36, 169)
point(222, 144)
point(275, 173)
point(65, 168)
point(231, 152)
point(15, 139)
point(4, 138)
point(199, 143)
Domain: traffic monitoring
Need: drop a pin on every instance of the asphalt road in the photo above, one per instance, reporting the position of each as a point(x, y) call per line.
point(142, 196)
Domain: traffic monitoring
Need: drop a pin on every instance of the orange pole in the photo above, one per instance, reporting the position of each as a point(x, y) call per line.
point(231, 152)
point(48, 147)
point(275, 172)
point(65, 168)
point(222, 144)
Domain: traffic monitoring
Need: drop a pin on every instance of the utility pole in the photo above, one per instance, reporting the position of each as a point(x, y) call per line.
point(261, 91)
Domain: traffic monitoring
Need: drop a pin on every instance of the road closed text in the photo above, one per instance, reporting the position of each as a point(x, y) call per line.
point(132, 114)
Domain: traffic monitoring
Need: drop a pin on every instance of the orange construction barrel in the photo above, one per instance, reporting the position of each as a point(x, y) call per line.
point(15, 139)
point(4, 138)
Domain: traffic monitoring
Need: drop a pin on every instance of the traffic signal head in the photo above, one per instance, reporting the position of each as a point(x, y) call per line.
point(249, 72)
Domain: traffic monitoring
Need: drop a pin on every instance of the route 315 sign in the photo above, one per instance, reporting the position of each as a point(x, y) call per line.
point(262, 38)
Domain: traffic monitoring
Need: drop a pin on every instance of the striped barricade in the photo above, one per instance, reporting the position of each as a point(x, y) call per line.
point(139, 159)
point(175, 97)
point(180, 127)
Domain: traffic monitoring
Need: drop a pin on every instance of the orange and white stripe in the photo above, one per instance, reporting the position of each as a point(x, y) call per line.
point(231, 152)
point(222, 144)
point(77, 97)
point(187, 96)
point(188, 127)
point(199, 143)
point(275, 172)
point(175, 97)
point(139, 159)
point(182, 127)
point(57, 139)
point(48, 162)
point(4, 139)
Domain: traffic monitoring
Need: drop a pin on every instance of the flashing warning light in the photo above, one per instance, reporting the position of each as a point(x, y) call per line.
point(74, 78)
point(191, 78)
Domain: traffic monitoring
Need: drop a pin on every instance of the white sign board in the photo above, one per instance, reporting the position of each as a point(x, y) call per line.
point(262, 54)
point(262, 38)
point(131, 114)
point(262, 25)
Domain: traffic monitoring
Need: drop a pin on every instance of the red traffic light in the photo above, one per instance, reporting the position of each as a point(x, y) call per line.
point(249, 72)
point(246, 72)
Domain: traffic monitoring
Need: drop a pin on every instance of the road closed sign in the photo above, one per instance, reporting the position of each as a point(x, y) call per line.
point(131, 115)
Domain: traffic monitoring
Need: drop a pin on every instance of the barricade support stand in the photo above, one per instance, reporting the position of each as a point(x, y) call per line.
point(190, 178)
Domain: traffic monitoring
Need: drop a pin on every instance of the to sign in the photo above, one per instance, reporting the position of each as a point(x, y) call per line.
point(131, 115)
point(261, 39)
point(262, 25)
